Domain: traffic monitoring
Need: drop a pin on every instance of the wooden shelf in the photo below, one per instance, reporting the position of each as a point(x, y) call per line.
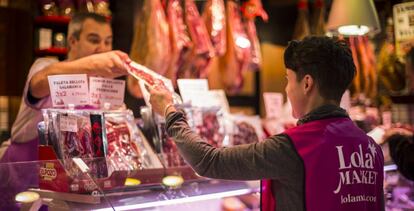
point(56, 20)
point(52, 20)
point(51, 52)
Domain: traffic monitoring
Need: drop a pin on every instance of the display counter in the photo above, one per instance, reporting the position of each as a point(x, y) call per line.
point(21, 190)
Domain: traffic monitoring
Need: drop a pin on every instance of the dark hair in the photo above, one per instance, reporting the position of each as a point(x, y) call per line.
point(327, 60)
point(76, 23)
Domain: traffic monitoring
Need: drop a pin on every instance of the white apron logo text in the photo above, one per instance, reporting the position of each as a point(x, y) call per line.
point(357, 168)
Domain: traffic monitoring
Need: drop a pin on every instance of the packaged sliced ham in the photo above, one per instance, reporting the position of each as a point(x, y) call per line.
point(247, 129)
point(181, 44)
point(214, 16)
point(170, 154)
point(79, 139)
point(237, 57)
point(208, 123)
point(151, 43)
point(106, 141)
point(203, 50)
point(144, 74)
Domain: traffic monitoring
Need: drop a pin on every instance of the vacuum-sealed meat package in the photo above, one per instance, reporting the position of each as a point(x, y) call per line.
point(208, 123)
point(246, 129)
point(127, 147)
point(106, 141)
point(80, 135)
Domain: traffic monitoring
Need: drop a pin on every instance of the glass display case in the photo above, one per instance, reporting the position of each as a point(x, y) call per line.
point(23, 188)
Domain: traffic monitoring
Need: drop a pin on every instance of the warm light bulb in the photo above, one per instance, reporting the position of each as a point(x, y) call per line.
point(27, 197)
point(172, 181)
point(353, 30)
point(132, 182)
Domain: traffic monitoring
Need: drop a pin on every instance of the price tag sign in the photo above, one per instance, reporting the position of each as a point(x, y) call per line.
point(68, 124)
point(273, 102)
point(69, 89)
point(103, 90)
point(220, 98)
point(403, 27)
point(188, 87)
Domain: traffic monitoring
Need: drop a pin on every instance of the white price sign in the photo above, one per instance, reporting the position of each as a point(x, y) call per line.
point(103, 90)
point(273, 102)
point(403, 26)
point(404, 21)
point(188, 87)
point(68, 123)
point(69, 89)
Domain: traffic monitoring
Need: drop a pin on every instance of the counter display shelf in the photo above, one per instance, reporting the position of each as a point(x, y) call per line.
point(22, 192)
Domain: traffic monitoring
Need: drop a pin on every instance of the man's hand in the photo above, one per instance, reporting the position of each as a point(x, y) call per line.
point(395, 131)
point(108, 65)
point(161, 100)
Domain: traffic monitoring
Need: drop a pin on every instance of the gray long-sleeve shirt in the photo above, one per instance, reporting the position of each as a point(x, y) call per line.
point(274, 158)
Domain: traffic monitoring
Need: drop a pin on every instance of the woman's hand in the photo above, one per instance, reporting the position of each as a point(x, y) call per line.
point(161, 99)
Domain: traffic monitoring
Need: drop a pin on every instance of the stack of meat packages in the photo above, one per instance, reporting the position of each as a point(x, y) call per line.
point(172, 38)
point(207, 122)
point(105, 141)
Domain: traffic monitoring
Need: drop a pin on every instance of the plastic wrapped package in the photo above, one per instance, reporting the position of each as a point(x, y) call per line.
point(126, 142)
point(247, 129)
point(81, 136)
point(106, 141)
point(170, 154)
point(208, 123)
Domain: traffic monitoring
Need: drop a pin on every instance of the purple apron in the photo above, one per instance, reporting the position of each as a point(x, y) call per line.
point(343, 167)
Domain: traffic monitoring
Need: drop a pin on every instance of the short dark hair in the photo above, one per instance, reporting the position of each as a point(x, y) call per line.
point(328, 60)
point(76, 23)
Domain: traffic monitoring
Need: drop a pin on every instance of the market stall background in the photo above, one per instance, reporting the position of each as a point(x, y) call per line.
point(20, 22)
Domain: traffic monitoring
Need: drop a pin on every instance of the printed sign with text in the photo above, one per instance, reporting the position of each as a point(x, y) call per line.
point(273, 102)
point(69, 89)
point(187, 88)
point(103, 90)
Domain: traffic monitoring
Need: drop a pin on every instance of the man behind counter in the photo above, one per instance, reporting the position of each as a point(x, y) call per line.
point(325, 163)
point(89, 52)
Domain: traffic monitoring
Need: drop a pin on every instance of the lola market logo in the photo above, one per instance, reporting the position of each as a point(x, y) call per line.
point(357, 167)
